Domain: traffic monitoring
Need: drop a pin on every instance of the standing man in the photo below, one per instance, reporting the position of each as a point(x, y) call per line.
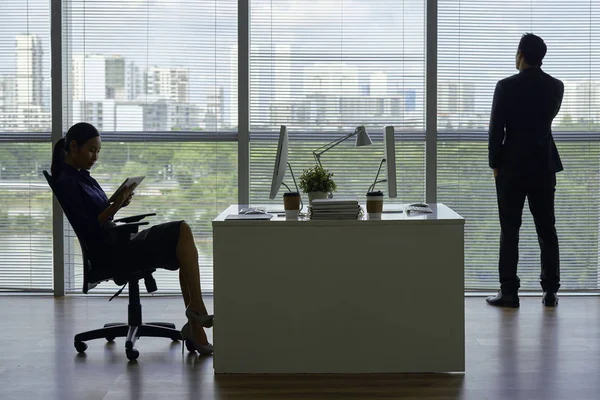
point(524, 159)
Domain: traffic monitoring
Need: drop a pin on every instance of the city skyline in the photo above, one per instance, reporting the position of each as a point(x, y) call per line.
point(113, 92)
point(103, 87)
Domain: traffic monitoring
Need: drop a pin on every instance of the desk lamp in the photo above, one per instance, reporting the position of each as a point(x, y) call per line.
point(362, 139)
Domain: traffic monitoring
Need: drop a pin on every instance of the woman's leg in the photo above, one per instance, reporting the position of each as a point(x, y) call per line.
point(189, 275)
point(184, 289)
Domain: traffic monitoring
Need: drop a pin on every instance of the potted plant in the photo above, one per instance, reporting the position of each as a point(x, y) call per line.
point(317, 182)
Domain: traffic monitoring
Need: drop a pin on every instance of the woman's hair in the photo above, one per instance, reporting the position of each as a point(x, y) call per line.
point(80, 133)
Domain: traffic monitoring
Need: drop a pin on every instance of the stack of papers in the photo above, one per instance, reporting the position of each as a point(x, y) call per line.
point(327, 209)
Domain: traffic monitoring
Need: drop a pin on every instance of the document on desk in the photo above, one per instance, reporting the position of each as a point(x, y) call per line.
point(237, 217)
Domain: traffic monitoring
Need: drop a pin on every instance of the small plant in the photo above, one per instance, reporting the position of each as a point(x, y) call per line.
point(317, 179)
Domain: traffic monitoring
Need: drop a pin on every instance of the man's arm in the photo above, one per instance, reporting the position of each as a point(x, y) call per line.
point(496, 129)
point(559, 98)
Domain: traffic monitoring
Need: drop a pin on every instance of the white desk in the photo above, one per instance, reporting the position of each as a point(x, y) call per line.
point(379, 296)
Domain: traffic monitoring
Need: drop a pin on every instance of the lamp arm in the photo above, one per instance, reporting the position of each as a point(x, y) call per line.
point(295, 184)
point(375, 181)
point(293, 177)
point(318, 152)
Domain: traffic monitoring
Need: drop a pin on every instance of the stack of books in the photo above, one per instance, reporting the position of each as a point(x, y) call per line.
point(327, 209)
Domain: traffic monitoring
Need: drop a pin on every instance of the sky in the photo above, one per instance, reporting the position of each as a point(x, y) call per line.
point(200, 34)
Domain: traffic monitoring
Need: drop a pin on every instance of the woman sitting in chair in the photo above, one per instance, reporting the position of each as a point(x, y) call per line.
point(169, 245)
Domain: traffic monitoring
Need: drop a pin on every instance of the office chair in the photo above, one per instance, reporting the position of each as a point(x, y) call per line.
point(134, 328)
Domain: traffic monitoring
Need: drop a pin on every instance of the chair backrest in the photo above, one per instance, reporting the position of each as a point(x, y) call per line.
point(85, 252)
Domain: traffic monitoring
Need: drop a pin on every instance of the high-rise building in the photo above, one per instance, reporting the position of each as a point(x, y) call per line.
point(214, 117)
point(271, 83)
point(89, 77)
point(379, 101)
point(89, 91)
point(184, 116)
point(7, 93)
point(129, 116)
point(579, 105)
point(457, 107)
point(168, 83)
point(115, 77)
point(133, 81)
point(97, 77)
point(101, 114)
point(107, 92)
point(331, 89)
point(29, 73)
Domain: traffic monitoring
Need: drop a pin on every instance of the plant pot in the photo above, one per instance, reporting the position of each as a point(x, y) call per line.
point(316, 195)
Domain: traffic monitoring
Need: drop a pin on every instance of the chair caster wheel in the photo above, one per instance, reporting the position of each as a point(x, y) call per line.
point(81, 347)
point(110, 339)
point(132, 354)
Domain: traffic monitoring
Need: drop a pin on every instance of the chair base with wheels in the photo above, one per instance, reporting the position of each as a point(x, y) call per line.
point(133, 330)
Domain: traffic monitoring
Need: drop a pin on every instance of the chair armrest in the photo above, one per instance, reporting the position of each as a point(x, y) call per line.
point(134, 218)
point(131, 227)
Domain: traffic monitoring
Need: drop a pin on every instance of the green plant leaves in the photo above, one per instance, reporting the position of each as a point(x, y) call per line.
point(317, 179)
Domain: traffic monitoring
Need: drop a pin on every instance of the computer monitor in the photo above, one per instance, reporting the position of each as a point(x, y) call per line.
point(281, 161)
point(390, 159)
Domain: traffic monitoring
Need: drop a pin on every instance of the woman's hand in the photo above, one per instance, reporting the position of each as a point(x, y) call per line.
point(125, 198)
point(128, 200)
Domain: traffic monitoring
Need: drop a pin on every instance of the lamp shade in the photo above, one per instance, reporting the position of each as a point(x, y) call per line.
point(363, 138)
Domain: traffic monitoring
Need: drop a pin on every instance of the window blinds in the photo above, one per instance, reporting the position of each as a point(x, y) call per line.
point(477, 43)
point(159, 80)
point(324, 67)
point(25, 198)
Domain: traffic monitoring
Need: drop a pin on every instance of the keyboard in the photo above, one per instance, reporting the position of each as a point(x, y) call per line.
point(418, 208)
point(253, 210)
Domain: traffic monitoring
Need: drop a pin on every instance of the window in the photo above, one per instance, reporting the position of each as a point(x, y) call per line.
point(159, 80)
point(477, 45)
point(324, 69)
point(25, 199)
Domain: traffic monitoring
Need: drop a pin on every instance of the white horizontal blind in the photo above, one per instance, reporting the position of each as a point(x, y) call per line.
point(323, 67)
point(196, 185)
point(478, 41)
point(159, 80)
point(25, 199)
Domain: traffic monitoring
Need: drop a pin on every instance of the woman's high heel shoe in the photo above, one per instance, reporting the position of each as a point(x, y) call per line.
point(206, 321)
point(188, 341)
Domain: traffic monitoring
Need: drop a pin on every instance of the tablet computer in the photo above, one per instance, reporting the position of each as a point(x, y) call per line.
point(126, 183)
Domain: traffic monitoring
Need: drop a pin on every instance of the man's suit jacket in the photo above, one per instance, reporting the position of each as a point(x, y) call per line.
point(520, 135)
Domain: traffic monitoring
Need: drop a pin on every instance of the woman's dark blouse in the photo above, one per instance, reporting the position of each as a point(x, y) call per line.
point(85, 200)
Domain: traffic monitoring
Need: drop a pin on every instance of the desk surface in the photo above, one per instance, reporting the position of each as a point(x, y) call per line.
point(441, 214)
